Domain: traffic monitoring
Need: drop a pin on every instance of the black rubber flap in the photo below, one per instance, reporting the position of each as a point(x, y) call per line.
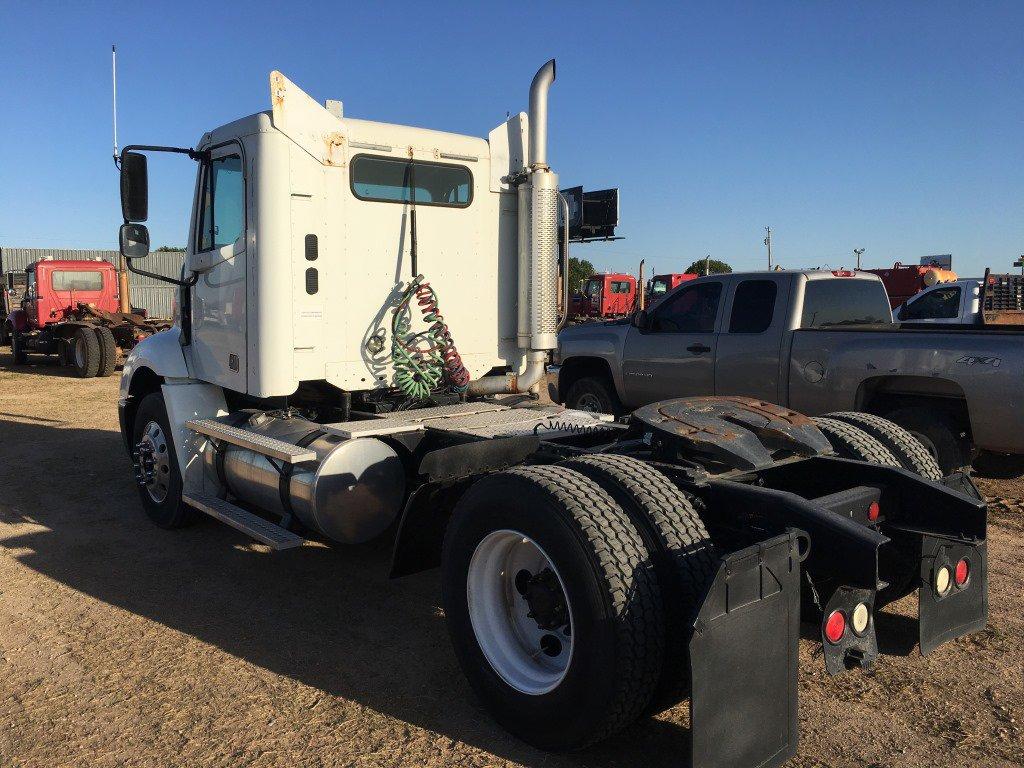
point(962, 609)
point(743, 658)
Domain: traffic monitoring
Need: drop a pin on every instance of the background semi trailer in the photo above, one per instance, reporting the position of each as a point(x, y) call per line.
point(70, 308)
point(818, 341)
point(593, 571)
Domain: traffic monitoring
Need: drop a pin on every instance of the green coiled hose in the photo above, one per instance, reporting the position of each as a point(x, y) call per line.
point(417, 358)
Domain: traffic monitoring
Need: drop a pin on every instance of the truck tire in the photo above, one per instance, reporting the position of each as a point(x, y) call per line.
point(18, 349)
point(544, 545)
point(595, 394)
point(908, 450)
point(684, 557)
point(850, 442)
point(151, 433)
point(936, 432)
point(85, 354)
point(108, 351)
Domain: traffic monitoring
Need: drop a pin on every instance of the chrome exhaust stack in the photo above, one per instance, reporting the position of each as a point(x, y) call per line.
point(538, 253)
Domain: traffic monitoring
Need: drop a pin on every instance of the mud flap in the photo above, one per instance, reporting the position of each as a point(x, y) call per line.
point(962, 609)
point(743, 659)
point(852, 648)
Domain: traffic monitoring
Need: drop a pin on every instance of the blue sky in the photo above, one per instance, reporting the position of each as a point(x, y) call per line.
point(896, 127)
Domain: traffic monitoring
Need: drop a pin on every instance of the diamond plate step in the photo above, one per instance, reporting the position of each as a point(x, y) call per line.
point(411, 421)
point(261, 444)
point(274, 536)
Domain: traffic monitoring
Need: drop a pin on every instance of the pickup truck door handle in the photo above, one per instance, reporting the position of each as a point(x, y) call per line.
point(698, 349)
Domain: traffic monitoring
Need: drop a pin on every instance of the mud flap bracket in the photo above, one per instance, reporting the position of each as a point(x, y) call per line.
point(743, 658)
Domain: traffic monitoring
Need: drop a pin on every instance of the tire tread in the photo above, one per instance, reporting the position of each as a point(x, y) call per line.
point(852, 442)
point(907, 449)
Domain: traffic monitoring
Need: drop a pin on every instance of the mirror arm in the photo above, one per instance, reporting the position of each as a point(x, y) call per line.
point(163, 278)
point(192, 153)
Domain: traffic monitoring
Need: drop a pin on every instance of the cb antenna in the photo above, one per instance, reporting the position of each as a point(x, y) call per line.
point(113, 74)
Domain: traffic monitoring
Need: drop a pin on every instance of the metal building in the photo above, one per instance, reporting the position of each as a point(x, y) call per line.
point(146, 293)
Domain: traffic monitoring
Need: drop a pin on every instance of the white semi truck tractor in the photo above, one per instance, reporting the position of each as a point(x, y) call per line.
point(365, 313)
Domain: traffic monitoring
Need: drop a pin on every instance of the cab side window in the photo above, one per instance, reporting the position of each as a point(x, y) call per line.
point(222, 206)
point(690, 310)
point(753, 306)
point(942, 303)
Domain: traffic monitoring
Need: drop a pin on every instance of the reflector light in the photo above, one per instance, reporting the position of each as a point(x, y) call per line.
point(942, 580)
point(835, 626)
point(874, 511)
point(962, 572)
point(859, 618)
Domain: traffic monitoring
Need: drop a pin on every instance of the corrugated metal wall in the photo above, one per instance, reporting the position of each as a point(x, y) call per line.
point(149, 294)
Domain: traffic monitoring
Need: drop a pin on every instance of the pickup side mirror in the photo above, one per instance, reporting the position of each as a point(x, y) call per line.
point(642, 320)
point(133, 241)
point(134, 187)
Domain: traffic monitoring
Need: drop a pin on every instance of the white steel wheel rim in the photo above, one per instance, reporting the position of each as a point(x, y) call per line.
point(518, 650)
point(155, 440)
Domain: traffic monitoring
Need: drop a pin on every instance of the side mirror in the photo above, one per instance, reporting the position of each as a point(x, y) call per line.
point(133, 240)
point(134, 187)
point(642, 320)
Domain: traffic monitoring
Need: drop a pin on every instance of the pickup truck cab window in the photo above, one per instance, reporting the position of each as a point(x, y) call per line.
point(940, 303)
point(689, 310)
point(845, 301)
point(753, 306)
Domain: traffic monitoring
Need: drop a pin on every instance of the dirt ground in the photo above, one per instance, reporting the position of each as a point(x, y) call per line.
point(125, 645)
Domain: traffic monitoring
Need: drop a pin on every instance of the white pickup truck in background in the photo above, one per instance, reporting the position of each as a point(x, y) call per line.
point(954, 303)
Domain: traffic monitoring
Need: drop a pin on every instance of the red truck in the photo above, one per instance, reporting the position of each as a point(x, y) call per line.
point(901, 282)
point(605, 296)
point(662, 284)
point(69, 308)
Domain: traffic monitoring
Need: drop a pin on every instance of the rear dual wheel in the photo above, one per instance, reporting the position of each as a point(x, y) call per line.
point(93, 352)
point(557, 585)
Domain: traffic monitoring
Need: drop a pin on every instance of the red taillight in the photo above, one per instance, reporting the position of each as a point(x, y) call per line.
point(835, 626)
point(962, 572)
point(874, 511)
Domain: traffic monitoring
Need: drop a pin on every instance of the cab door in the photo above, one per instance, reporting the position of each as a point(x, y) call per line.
point(674, 356)
point(219, 255)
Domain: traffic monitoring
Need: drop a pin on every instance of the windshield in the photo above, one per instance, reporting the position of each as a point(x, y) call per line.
point(659, 286)
point(593, 288)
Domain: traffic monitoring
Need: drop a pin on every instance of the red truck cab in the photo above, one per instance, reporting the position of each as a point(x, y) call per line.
point(55, 288)
point(609, 295)
point(903, 281)
point(662, 284)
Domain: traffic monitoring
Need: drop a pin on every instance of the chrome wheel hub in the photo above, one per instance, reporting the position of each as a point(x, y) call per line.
point(520, 612)
point(153, 463)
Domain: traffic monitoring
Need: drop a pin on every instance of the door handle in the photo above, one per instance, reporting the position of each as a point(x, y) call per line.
point(698, 349)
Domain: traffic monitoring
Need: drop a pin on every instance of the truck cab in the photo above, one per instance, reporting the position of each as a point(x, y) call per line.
point(953, 303)
point(53, 288)
point(660, 285)
point(606, 296)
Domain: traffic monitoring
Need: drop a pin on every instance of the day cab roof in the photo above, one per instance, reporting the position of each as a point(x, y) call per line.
point(72, 265)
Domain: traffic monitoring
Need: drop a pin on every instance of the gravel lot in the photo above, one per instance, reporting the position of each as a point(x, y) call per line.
point(125, 645)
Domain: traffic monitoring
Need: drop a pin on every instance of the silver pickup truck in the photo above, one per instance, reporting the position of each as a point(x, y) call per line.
point(815, 341)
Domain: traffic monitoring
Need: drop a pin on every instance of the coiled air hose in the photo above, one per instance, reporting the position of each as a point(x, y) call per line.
point(423, 360)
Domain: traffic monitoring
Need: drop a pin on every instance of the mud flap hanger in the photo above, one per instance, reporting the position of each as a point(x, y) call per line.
point(743, 658)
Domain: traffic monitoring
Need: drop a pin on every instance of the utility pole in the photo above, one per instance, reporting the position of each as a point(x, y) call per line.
point(858, 252)
point(768, 242)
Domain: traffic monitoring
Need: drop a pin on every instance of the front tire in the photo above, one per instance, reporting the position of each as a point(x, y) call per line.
point(85, 355)
point(160, 487)
point(568, 650)
point(594, 394)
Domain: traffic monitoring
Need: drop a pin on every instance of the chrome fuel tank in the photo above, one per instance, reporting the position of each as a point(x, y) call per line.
point(351, 493)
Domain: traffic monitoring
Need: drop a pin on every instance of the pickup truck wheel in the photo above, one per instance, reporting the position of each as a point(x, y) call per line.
point(552, 605)
point(936, 432)
point(108, 351)
point(594, 394)
point(684, 557)
point(908, 450)
point(156, 465)
point(86, 353)
point(18, 349)
point(850, 442)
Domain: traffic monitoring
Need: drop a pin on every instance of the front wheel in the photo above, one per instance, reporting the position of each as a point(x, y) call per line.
point(552, 605)
point(156, 465)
